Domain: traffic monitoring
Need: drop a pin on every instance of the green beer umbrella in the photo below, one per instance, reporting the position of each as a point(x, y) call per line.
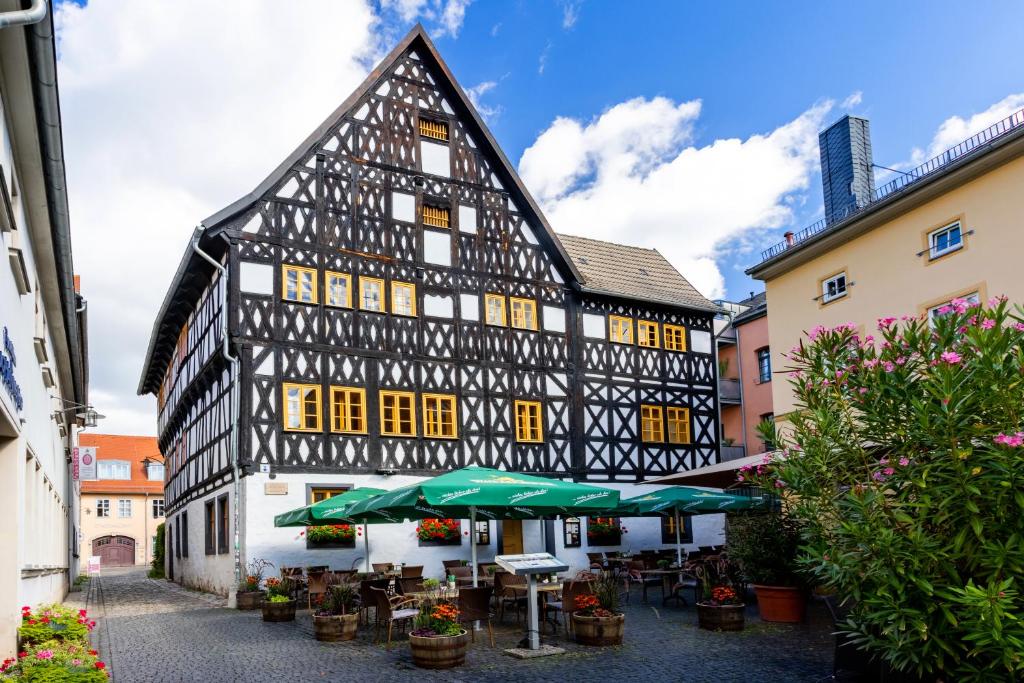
point(684, 500)
point(312, 515)
point(495, 494)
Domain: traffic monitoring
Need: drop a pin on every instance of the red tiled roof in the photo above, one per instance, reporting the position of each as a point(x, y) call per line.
point(136, 450)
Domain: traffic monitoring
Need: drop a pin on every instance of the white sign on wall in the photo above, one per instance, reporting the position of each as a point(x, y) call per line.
point(85, 458)
point(93, 566)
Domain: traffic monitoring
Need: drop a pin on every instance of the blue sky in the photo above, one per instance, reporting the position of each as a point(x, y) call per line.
point(688, 128)
point(755, 66)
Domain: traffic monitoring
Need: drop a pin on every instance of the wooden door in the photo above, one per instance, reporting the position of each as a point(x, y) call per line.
point(512, 537)
point(115, 551)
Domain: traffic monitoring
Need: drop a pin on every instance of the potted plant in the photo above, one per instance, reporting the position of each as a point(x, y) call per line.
point(250, 595)
point(597, 619)
point(439, 532)
point(604, 531)
point(331, 536)
point(721, 608)
point(438, 640)
point(279, 604)
point(338, 616)
point(765, 545)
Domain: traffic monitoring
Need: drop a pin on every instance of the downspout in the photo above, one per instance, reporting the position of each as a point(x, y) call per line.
point(234, 407)
point(32, 15)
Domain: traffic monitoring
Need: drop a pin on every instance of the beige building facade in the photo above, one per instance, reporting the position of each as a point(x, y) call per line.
point(955, 228)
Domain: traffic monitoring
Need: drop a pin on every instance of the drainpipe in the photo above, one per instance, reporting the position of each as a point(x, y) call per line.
point(234, 406)
point(32, 15)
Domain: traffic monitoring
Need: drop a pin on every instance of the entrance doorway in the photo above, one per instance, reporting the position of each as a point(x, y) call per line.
point(512, 537)
point(115, 551)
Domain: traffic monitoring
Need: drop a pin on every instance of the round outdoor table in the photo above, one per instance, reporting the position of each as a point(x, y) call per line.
point(666, 583)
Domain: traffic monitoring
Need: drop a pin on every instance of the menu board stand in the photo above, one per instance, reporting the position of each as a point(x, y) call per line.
point(530, 565)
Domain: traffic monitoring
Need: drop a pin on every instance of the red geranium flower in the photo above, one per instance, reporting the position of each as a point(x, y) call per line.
point(101, 665)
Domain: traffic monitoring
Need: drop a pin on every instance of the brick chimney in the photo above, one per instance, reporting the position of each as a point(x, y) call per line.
point(847, 171)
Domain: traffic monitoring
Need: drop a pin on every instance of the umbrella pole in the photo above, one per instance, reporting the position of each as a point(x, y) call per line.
point(472, 541)
point(679, 545)
point(366, 544)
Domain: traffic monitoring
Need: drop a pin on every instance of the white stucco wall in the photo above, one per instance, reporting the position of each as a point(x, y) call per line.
point(212, 573)
point(398, 542)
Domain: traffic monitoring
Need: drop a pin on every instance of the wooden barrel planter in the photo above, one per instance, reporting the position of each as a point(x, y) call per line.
point(439, 652)
point(599, 630)
point(278, 611)
point(721, 617)
point(782, 604)
point(336, 627)
point(249, 600)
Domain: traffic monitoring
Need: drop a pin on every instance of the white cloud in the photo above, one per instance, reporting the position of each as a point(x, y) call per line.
point(542, 63)
point(853, 100)
point(453, 15)
point(168, 119)
point(477, 92)
point(447, 15)
point(635, 175)
point(570, 12)
point(955, 129)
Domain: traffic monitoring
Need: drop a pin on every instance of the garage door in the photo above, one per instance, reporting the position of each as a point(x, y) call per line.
point(115, 551)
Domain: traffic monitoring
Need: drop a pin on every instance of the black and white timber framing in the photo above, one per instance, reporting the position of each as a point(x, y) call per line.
point(331, 206)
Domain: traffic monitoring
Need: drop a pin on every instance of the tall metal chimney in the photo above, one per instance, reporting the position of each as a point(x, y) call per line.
point(847, 171)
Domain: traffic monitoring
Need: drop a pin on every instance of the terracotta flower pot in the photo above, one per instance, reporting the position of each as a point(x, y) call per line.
point(336, 627)
point(278, 611)
point(599, 630)
point(721, 617)
point(439, 652)
point(248, 600)
point(783, 604)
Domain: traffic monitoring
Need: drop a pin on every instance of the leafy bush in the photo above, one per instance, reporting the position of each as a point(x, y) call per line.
point(55, 660)
point(54, 622)
point(906, 467)
point(765, 546)
point(157, 572)
point(279, 590)
point(254, 570)
point(342, 597)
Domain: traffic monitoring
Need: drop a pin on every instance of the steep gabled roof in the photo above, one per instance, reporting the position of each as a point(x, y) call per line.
point(137, 450)
point(632, 272)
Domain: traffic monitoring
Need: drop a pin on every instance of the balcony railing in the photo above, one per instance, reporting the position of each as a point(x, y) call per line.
point(728, 390)
point(906, 179)
point(733, 453)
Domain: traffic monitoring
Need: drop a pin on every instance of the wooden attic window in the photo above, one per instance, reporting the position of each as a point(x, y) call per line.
point(438, 130)
point(436, 216)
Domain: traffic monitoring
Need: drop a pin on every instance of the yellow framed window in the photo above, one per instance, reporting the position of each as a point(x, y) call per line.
point(301, 407)
point(524, 313)
point(495, 306)
point(529, 423)
point(298, 284)
point(338, 289)
point(318, 493)
point(439, 416)
point(403, 298)
point(397, 413)
point(647, 333)
point(652, 424)
point(675, 337)
point(348, 410)
point(436, 130)
point(678, 424)
point(371, 294)
point(437, 216)
point(620, 329)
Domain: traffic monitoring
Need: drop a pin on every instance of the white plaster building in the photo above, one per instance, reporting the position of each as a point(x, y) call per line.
point(43, 371)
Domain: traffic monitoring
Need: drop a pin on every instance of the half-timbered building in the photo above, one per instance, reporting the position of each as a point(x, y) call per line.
point(390, 303)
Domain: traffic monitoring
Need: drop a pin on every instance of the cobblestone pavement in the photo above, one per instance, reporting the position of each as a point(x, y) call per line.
point(155, 631)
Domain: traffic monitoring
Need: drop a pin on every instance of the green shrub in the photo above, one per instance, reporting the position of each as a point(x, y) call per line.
point(157, 572)
point(905, 467)
point(52, 661)
point(54, 622)
point(765, 545)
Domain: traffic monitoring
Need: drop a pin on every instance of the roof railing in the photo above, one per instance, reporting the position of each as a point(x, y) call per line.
point(906, 179)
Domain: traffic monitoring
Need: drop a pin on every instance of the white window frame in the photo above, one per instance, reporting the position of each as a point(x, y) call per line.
point(825, 296)
point(124, 508)
point(152, 469)
point(103, 507)
point(157, 505)
point(933, 311)
point(933, 252)
point(116, 467)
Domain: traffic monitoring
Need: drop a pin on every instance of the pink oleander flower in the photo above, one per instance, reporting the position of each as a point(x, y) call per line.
point(959, 305)
point(888, 471)
point(885, 322)
point(825, 383)
point(779, 484)
point(988, 324)
point(945, 310)
point(886, 344)
point(862, 391)
point(951, 357)
point(816, 332)
point(888, 366)
point(842, 327)
point(883, 461)
point(740, 477)
point(1012, 440)
point(904, 462)
point(996, 300)
point(1019, 327)
point(871, 363)
point(901, 360)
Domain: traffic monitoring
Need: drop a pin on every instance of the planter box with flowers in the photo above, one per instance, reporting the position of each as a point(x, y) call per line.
point(54, 646)
point(279, 604)
point(720, 608)
point(596, 619)
point(604, 531)
point(438, 641)
point(250, 596)
point(331, 536)
point(433, 532)
point(337, 617)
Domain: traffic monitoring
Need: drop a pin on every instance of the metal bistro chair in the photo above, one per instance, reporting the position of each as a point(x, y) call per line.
point(510, 596)
point(449, 565)
point(382, 567)
point(475, 605)
point(411, 572)
point(632, 576)
point(406, 585)
point(316, 584)
point(463, 575)
point(596, 560)
point(567, 605)
point(392, 609)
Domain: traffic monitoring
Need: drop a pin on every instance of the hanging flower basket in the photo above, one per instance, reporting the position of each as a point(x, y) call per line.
point(331, 536)
point(439, 532)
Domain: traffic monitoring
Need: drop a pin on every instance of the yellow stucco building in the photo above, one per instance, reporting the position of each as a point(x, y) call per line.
point(953, 227)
